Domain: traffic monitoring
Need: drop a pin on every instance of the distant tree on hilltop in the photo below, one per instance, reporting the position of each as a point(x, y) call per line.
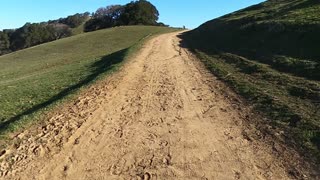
point(75, 20)
point(113, 12)
point(37, 33)
point(139, 12)
point(105, 17)
point(61, 31)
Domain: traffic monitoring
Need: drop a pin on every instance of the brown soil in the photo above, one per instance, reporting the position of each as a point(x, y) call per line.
point(162, 116)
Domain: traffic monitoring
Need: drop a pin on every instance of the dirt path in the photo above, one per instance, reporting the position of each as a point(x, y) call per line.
point(156, 119)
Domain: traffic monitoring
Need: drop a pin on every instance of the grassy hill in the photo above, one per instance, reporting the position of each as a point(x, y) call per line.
point(270, 54)
point(35, 78)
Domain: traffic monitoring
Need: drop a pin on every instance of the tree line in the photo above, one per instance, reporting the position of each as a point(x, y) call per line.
point(32, 34)
point(139, 12)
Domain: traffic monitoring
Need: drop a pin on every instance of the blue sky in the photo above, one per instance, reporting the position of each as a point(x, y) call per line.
point(191, 13)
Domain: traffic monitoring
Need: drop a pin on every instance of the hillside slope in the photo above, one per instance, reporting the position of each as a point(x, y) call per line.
point(281, 33)
point(269, 53)
point(34, 78)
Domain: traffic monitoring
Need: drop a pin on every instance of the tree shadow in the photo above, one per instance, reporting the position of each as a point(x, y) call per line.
point(105, 64)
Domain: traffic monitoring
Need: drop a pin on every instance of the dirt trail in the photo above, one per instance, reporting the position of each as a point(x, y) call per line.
point(163, 116)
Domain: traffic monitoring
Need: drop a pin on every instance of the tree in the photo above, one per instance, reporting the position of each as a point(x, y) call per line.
point(32, 34)
point(60, 30)
point(95, 24)
point(18, 37)
point(104, 17)
point(4, 43)
point(37, 33)
point(140, 12)
point(74, 20)
point(113, 11)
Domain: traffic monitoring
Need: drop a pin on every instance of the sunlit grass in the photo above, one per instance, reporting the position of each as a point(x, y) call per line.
point(34, 78)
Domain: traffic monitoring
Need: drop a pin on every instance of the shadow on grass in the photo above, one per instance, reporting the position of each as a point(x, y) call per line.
point(105, 64)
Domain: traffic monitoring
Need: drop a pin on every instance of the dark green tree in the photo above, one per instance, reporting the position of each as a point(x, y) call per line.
point(32, 34)
point(4, 43)
point(140, 12)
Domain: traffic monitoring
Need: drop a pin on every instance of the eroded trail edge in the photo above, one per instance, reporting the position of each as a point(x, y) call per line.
point(163, 116)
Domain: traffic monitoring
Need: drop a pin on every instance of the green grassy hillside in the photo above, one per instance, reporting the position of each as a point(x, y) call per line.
point(33, 79)
point(270, 54)
point(281, 33)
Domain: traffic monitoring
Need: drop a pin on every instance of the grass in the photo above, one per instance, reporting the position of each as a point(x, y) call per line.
point(35, 79)
point(295, 11)
point(78, 30)
point(269, 54)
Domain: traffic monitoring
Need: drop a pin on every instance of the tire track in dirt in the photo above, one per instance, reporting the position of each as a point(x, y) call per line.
point(158, 118)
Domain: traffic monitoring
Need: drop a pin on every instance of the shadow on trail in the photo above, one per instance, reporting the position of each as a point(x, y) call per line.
point(105, 64)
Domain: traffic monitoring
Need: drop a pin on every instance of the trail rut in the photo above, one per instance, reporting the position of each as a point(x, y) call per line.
point(163, 116)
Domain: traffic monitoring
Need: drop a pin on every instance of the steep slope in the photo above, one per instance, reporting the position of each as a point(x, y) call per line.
point(281, 33)
point(269, 53)
point(33, 79)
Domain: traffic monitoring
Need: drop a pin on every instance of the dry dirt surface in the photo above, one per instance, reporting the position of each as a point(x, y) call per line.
point(162, 116)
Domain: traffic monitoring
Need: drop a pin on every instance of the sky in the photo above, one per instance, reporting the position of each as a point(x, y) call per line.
point(176, 13)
